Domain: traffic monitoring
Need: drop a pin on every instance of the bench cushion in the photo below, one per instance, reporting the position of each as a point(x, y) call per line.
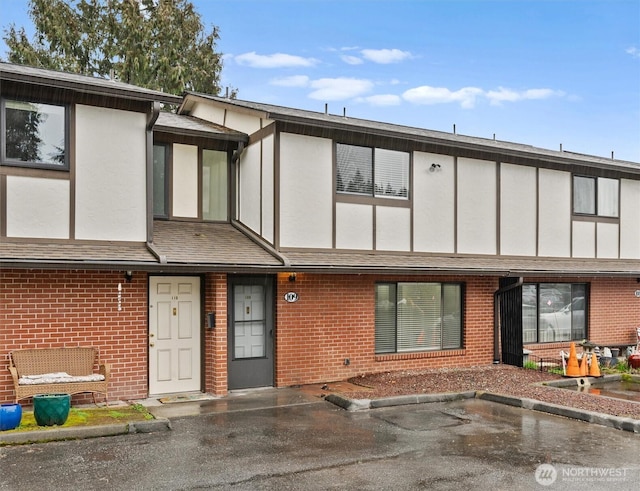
point(58, 378)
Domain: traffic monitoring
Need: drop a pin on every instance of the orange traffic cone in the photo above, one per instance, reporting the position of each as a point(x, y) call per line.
point(573, 370)
point(594, 369)
point(583, 365)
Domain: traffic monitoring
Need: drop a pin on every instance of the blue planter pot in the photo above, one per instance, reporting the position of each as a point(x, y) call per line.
point(51, 409)
point(10, 416)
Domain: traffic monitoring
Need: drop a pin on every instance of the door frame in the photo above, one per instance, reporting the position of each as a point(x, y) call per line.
point(269, 283)
point(200, 316)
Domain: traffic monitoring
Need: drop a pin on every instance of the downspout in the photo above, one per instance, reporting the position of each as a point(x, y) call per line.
point(235, 157)
point(152, 117)
point(496, 317)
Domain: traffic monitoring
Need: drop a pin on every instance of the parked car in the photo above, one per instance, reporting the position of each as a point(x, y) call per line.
point(564, 324)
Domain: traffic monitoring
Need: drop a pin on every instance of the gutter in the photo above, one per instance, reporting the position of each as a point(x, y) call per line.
point(152, 117)
point(255, 239)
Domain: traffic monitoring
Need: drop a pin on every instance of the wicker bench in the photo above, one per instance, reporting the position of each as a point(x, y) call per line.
point(58, 370)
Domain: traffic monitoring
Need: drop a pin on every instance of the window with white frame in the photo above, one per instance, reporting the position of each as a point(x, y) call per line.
point(374, 172)
point(596, 196)
point(418, 317)
point(554, 312)
point(34, 134)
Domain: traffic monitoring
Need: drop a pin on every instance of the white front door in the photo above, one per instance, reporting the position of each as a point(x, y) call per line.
point(174, 334)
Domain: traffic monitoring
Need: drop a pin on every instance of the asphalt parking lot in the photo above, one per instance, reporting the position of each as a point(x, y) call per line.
point(303, 442)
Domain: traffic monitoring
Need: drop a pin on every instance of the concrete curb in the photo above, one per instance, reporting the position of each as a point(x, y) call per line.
point(81, 432)
point(625, 424)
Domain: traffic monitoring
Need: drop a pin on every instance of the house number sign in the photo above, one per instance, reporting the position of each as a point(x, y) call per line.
point(638, 293)
point(291, 297)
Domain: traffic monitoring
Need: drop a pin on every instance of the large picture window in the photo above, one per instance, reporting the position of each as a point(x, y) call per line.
point(554, 312)
point(34, 134)
point(418, 317)
point(374, 172)
point(595, 196)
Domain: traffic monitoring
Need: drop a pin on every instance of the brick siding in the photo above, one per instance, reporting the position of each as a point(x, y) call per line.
point(333, 320)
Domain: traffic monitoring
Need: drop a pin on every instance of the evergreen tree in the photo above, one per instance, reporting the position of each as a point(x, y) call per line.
point(158, 44)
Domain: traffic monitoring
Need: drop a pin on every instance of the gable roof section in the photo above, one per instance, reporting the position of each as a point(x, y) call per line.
point(210, 246)
point(82, 83)
point(375, 128)
point(180, 124)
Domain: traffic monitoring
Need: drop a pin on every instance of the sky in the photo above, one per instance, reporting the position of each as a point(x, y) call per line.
point(546, 73)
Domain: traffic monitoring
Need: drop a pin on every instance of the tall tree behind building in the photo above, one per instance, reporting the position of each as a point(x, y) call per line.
point(158, 44)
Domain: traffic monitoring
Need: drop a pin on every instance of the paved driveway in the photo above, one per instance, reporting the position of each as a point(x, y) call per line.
point(313, 444)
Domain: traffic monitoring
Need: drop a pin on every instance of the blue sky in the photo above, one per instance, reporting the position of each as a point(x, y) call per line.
point(543, 73)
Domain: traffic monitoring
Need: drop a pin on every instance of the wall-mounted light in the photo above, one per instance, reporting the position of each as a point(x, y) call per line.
point(292, 277)
point(434, 167)
point(128, 276)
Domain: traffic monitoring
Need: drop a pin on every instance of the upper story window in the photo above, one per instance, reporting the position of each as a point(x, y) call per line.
point(596, 196)
point(203, 194)
point(160, 181)
point(34, 134)
point(374, 172)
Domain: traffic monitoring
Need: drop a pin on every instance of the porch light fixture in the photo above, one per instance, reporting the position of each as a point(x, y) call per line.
point(434, 167)
point(292, 277)
point(128, 276)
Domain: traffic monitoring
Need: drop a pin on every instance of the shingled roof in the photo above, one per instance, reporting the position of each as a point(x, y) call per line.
point(453, 140)
point(82, 83)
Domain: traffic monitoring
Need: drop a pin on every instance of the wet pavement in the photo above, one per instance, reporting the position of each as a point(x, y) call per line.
point(294, 439)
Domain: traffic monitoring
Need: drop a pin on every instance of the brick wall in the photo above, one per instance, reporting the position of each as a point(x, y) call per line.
point(216, 339)
point(334, 320)
point(42, 309)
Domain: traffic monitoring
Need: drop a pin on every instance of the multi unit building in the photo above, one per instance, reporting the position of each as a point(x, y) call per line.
point(229, 244)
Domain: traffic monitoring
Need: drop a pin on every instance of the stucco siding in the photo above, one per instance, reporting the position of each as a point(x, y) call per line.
point(249, 187)
point(518, 216)
point(554, 238)
point(37, 207)
point(393, 228)
point(607, 240)
point(433, 203)
point(110, 172)
point(268, 191)
point(629, 219)
point(354, 226)
point(477, 215)
point(584, 239)
point(306, 190)
point(185, 181)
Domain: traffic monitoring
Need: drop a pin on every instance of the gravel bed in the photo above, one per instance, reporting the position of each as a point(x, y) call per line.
point(498, 379)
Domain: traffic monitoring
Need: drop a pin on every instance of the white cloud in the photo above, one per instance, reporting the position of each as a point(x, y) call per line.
point(496, 97)
point(440, 95)
point(293, 81)
point(335, 89)
point(385, 56)
point(275, 60)
point(633, 51)
point(468, 96)
point(383, 100)
point(351, 60)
